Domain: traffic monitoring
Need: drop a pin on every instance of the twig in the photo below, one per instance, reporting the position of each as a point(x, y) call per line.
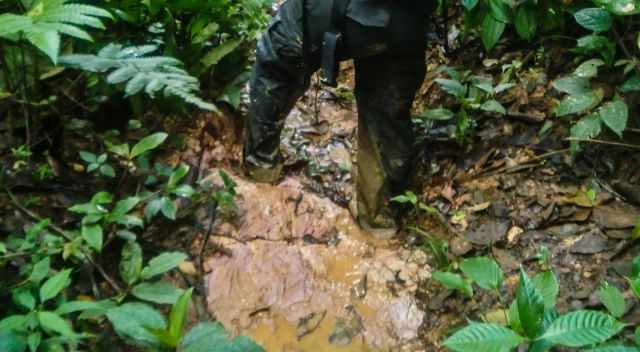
point(205, 242)
point(63, 233)
point(600, 141)
point(525, 164)
point(624, 48)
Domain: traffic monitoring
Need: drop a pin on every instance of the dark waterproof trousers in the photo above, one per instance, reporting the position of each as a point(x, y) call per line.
point(386, 84)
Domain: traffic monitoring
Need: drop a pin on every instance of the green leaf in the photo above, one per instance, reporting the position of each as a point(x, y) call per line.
point(178, 315)
point(437, 114)
point(158, 292)
point(493, 106)
point(123, 207)
point(452, 87)
point(77, 306)
point(107, 170)
point(530, 306)
point(211, 337)
point(47, 41)
point(407, 197)
point(14, 322)
point(587, 127)
point(93, 235)
point(11, 24)
point(615, 115)
point(574, 104)
point(216, 54)
point(573, 85)
point(53, 322)
point(23, 297)
point(547, 284)
point(40, 270)
point(184, 191)
point(594, 19)
point(500, 10)
point(131, 262)
point(582, 328)
point(526, 22)
point(616, 347)
point(54, 285)
point(33, 341)
point(484, 271)
point(152, 208)
point(168, 208)
point(483, 337)
point(631, 85)
point(454, 282)
point(11, 342)
point(613, 299)
point(589, 68)
point(133, 321)
point(148, 143)
point(88, 157)
point(162, 263)
point(120, 150)
point(469, 4)
point(178, 174)
point(492, 31)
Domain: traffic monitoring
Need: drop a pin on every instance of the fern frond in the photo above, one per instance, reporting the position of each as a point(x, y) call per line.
point(67, 29)
point(10, 24)
point(151, 74)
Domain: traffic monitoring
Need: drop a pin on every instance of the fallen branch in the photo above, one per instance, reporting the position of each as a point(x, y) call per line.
point(600, 141)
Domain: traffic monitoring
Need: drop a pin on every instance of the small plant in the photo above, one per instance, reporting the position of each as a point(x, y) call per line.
point(532, 321)
point(473, 94)
point(97, 164)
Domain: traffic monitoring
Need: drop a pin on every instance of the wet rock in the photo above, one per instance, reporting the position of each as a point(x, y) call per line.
point(589, 243)
point(491, 231)
point(564, 230)
point(460, 246)
point(616, 215)
point(618, 234)
point(404, 317)
point(346, 329)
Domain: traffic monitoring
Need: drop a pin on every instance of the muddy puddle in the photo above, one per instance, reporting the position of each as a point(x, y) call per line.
point(299, 275)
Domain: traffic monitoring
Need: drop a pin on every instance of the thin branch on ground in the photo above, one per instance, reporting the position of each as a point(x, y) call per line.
point(600, 141)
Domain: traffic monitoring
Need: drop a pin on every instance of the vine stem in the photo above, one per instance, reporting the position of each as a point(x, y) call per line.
point(16, 203)
point(624, 48)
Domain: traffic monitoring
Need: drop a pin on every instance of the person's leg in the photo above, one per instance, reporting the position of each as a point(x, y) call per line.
point(279, 78)
point(385, 89)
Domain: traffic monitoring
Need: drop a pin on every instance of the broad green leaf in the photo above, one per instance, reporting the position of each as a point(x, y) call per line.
point(54, 285)
point(152, 208)
point(162, 263)
point(613, 299)
point(184, 191)
point(493, 106)
point(631, 85)
point(615, 347)
point(158, 292)
point(574, 104)
point(10, 24)
point(53, 322)
point(211, 337)
point(452, 87)
point(573, 85)
point(622, 7)
point(407, 197)
point(500, 10)
point(530, 306)
point(123, 207)
point(582, 328)
point(178, 174)
point(148, 143)
point(547, 284)
point(33, 341)
point(48, 41)
point(216, 54)
point(594, 19)
point(454, 282)
point(14, 322)
point(178, 315)
point(526, 21)
point(469, 4)
point(587, 127)
point(131, 262)
point(492, 31)
point(102, 198)
point(88, 157)
point(107, 170)
point(93, 235)
point(484, 271)
point(589, 68)
point(168, 208)
point(437, 114)
point(40, 270)
point(121, 150)
point(483, 337)
point(12, 342)
point(635, 267)
point(615, 115)
point(22, 296)
point(133, 321)
point(77, 306)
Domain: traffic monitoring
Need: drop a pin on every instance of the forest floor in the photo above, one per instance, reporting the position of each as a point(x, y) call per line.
point(294, 271)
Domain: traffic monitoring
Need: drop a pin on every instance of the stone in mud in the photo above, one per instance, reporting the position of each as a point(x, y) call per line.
point(308, 324)
point(346, 329)
point(460, 246)
point(618, 234)
point(589, 243)
point(564, 230)
point(403, 317)
point(491, 231)
point(616, 215)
